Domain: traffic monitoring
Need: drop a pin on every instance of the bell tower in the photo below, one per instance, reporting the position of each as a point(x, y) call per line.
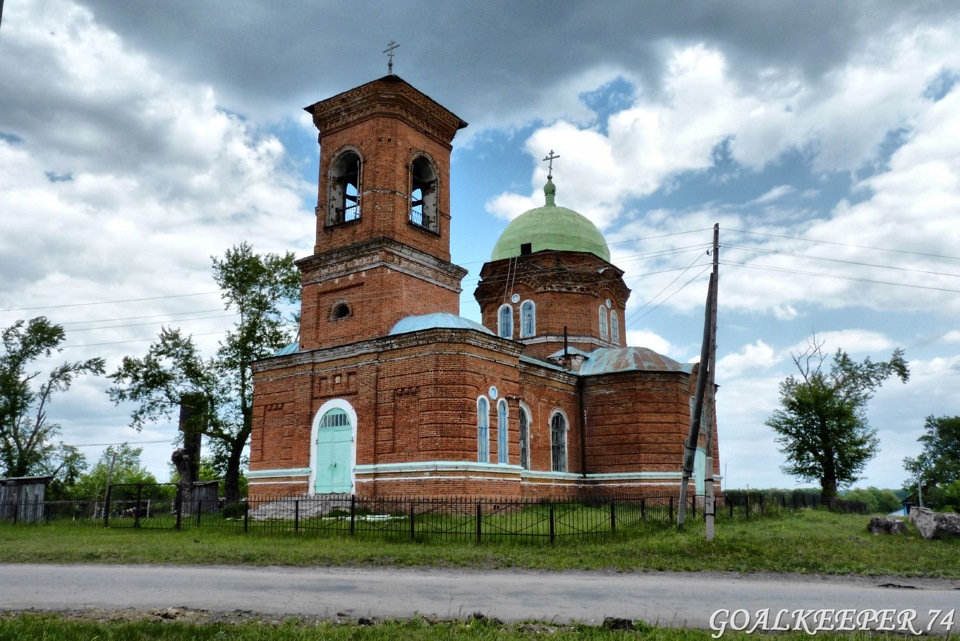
point(382, 249)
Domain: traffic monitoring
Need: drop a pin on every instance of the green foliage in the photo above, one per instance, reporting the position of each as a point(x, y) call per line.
point(822, 424)
point(27, 444)
point(939, 462)
point(126, 468)
point(211, 470)
point(876, 500)
point(219, 388)
point(943, 498)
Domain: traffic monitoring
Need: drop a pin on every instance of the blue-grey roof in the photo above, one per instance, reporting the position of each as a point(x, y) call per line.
point(439, 320)
point(292, 348)
point(630, 359)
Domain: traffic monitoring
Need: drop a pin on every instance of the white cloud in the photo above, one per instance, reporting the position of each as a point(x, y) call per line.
point(852, 341)
point(755, 357)
point(651, 340)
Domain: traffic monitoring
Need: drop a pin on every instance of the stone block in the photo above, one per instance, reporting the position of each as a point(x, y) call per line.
point(886, 525)
point(935, 525)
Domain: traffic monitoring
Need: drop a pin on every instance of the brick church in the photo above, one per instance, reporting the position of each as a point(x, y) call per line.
point(389, 391)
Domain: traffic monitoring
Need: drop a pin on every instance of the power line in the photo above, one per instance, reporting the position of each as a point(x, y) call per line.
point(830, 242)
point(107, 302)
point(840, 260)
point(837, 277)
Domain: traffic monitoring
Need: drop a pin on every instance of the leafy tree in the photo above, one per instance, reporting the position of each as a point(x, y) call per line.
point(944, 497)
point(120, 463)
point(220, 388)
point(876, 500)
point(27, 444)
point(72, 465)
point(822, 423)
point(939, 462)
point(210, 470)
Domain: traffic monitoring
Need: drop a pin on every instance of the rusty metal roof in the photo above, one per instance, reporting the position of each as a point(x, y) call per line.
point(607, 360)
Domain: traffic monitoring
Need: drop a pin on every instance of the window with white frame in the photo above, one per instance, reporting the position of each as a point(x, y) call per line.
point(503, 433)
point(505, 321)
point(483, 430)
point(603, 323)
point(614, 326)
point(558, 442)
point(524, 438)
point(528, 319)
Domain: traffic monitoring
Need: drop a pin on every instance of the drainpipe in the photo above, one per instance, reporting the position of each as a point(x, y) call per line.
point(583, 427)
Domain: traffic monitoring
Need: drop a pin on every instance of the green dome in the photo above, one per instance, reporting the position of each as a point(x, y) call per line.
point(551, 227)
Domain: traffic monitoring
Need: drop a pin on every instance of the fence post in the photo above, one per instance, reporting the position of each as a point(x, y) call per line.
point(693, 505)
point(553, 526)
point(106, 507)
point(246, 514)
point(136, 510)
point(671, 509)
point(643, 508)
point(199, 510)
point(296, 515)
point(746, 504)
point(479, 521)
point(413, 532)
point(613, 516)
point(353, 514)
point(178, 504)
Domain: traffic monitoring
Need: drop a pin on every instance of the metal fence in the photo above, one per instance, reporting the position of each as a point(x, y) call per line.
point(163, 506)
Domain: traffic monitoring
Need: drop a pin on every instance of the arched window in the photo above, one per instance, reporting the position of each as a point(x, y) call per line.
point(343, 201)
point(614, 326)
point(603, 322)
point(423, 194)
point(558, 442)
point(505, 321)
point(483, 430)
point(334, 418)
point(528, 319)
point(503, 433)
point(524, 438)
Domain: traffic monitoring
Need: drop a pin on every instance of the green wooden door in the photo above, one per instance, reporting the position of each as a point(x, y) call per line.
point(334, 453)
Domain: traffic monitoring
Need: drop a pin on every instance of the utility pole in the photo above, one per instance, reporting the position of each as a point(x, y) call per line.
point(710, 505)
point(705, 380)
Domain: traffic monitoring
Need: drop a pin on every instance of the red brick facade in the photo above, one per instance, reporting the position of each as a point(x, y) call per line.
point(405, 398)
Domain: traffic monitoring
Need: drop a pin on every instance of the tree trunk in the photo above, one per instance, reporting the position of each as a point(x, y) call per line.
point(828, 487)
point(231, 481)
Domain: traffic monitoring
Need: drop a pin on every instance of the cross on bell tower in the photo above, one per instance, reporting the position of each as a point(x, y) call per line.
point(389, 51)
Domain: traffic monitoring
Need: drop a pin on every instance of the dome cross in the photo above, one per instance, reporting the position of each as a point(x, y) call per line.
point(550, 158)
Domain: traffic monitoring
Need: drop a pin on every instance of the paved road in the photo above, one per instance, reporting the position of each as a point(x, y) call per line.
point(662, 598)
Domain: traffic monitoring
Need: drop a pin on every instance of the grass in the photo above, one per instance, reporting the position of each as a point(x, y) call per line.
point(57, 628)
point(807, 542)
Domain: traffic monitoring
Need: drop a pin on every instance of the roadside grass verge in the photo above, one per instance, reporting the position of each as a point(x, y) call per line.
point(806, 542)
point(52, 627)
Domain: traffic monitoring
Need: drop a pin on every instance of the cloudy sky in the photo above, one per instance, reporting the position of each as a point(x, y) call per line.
point(138, 139)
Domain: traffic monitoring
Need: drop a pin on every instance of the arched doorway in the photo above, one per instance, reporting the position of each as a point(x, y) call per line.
point(333, 456)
